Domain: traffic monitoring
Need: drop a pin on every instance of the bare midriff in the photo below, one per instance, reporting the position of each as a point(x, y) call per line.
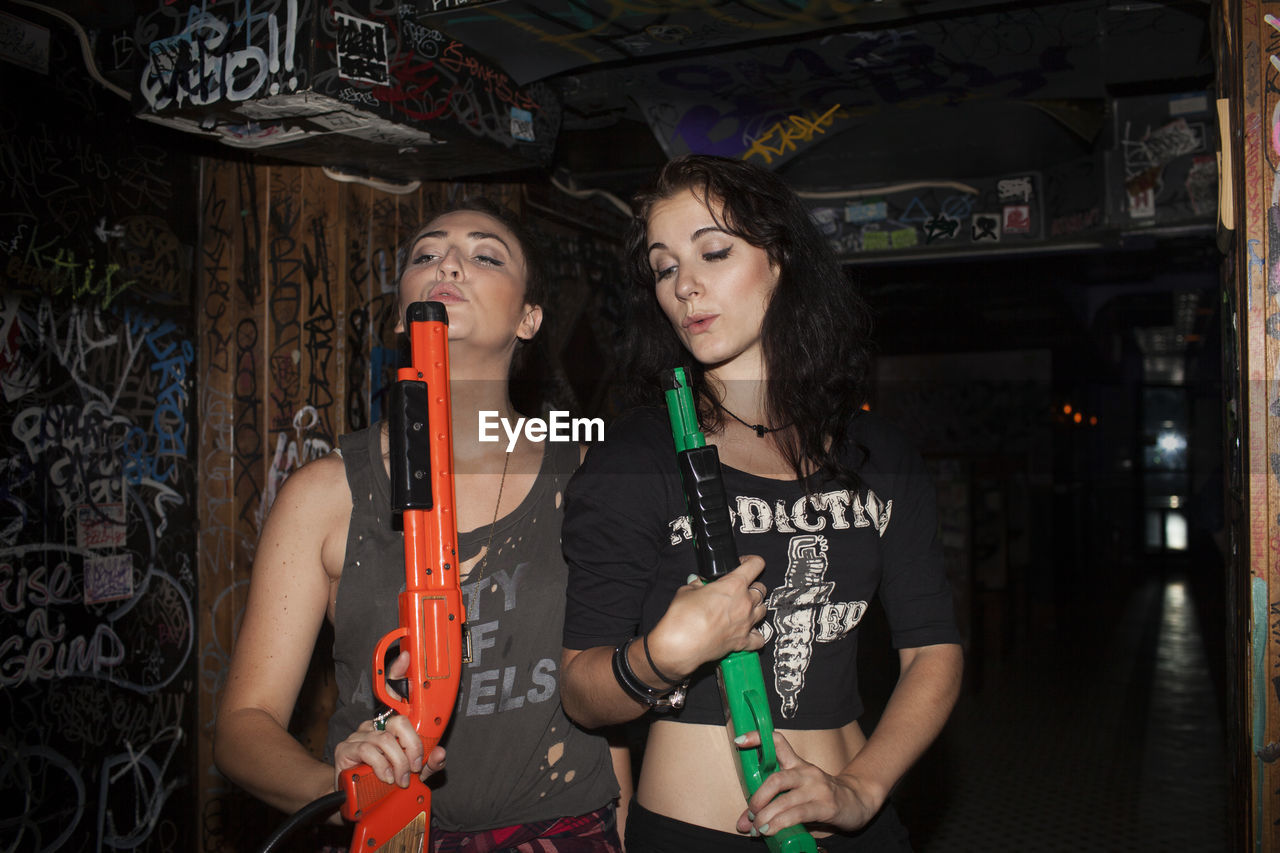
point(691, 772)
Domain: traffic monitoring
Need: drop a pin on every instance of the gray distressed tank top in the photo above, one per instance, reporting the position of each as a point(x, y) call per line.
point(513, 755)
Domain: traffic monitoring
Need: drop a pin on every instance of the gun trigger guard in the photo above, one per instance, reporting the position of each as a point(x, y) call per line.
point(764, 725)
point(380, 679)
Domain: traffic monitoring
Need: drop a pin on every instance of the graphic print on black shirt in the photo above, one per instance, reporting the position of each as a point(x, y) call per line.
point(803, 612)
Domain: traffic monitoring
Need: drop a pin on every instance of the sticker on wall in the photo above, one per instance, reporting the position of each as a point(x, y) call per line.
point(100, 526)
point(1017, 219)
point(1014, 189)
point(362, 50)
point(941, 227)
point(108, 578)
point(1142, 203)
point(522, 125)
point(866, 211)
point(1173, 140)
point(436, 7)
point(985, 228)
point(24, 43)
point(1202, 184)
point(825, 219)
point(889, 239)
point(876, 241)
point(1189, 103)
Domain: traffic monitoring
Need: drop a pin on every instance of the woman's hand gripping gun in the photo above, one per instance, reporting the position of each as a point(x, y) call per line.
point(741, 678)
point(387, 816)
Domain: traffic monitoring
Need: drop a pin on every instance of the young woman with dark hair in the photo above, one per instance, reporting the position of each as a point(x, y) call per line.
point(521, 777)
point(815, 337)
point(730, 278)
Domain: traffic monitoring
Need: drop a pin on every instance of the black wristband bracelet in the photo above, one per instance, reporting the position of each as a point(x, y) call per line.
point(659, 700)
point(627, 677)
point(644, 641)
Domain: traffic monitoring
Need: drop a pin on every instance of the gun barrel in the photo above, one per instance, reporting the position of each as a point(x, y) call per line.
point(683, 413)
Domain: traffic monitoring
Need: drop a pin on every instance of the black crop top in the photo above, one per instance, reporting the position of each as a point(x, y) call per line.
point(627, 540)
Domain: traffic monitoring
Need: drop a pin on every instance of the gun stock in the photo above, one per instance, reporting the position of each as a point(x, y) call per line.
point(388, 817)
point(740, 675)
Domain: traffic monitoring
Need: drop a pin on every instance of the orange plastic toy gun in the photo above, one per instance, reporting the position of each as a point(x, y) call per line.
point(388, 817)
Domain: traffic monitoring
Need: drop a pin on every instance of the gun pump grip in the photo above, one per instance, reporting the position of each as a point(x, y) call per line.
point(408, 425)
point(708, 506)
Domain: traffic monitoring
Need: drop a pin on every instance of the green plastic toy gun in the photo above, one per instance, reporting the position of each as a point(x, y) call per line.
point(741, 678)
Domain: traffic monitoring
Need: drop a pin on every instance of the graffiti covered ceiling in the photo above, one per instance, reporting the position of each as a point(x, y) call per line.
point(536, 40)
point(834, 93)
point(912, 128)
point(759, 79)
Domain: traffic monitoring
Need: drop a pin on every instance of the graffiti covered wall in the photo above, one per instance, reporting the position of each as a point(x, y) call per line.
point(97, 542)
point(1254, 55)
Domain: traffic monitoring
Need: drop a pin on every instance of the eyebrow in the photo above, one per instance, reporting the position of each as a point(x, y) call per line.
point(692, 237)
point(474, 235)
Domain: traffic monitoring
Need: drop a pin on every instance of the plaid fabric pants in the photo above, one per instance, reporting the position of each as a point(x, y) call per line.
point(595, 832)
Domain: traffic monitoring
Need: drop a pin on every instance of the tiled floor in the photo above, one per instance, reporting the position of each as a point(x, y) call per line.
point(1097, 737)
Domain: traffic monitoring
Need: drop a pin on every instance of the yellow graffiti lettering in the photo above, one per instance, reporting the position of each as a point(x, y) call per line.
point(784, 135)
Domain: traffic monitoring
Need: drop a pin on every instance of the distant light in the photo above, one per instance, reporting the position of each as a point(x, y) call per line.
point(1171, 442)
point(1066, 409)
point(1093, 420)
point(1077, 417)
point(1175, 531)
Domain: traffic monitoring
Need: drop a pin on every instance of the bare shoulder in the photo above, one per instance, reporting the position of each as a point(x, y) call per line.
point(321, 484)
point(312, 509)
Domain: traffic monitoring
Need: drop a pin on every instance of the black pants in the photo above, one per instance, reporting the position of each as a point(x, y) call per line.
point(648, 832)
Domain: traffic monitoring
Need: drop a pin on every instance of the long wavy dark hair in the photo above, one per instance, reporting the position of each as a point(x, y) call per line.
point(816, 330)
point(536, 383)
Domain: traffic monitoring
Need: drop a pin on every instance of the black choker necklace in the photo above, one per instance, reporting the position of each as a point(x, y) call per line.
point(761, 429)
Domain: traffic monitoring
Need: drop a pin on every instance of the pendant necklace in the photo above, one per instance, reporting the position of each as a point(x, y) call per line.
point(479, 570)
point(760, 429)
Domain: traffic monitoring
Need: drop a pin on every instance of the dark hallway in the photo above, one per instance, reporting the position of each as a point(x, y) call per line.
point(1093, 713)
point(1094, 737)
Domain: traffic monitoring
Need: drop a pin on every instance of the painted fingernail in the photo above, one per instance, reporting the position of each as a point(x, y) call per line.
point(751, 816)
point(753, 833)
point(417, 765)
point(404, 781)
point(692, 579)
point(764, 830)
point(740, 740)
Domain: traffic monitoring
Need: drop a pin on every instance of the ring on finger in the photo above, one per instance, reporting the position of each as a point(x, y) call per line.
point(380, 721)
point(759, 591)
